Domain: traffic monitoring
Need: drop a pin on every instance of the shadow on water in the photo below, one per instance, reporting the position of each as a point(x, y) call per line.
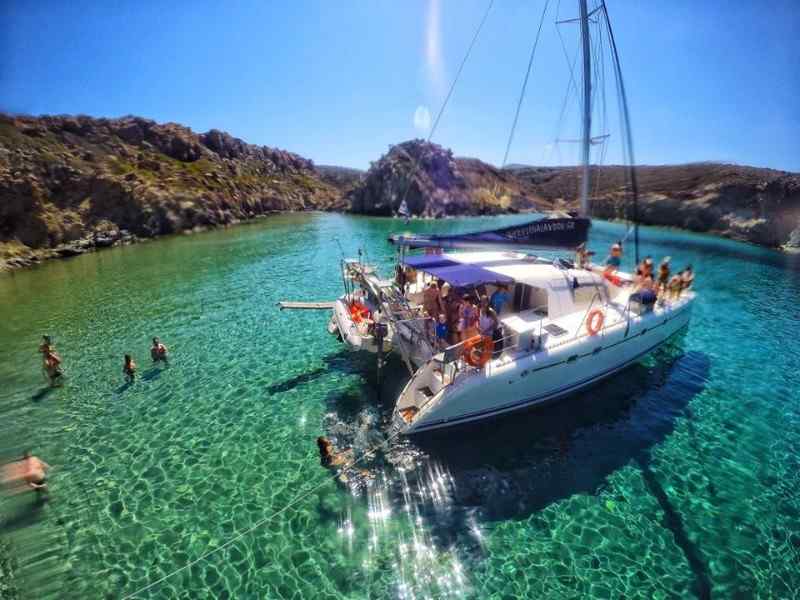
point(124, 387)
point(43, 393)
point(343, 361)
point(513, 467)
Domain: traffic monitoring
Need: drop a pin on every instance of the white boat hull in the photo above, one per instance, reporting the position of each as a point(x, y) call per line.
point(546, 376)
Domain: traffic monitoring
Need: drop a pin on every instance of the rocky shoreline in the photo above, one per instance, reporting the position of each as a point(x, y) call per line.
point(72, 185)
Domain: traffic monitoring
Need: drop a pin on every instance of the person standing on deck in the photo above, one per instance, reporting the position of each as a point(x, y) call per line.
point(499, 298)
point(614, 260)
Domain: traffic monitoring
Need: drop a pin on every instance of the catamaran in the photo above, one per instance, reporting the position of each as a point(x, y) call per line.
point(567, 325)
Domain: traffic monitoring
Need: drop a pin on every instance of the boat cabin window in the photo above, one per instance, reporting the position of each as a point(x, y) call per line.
point(528, 297)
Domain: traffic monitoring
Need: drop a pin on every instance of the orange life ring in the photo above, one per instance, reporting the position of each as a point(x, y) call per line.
point(594, 322)
point(478, 350)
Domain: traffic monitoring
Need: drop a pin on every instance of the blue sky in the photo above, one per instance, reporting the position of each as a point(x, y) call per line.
point(339, 81)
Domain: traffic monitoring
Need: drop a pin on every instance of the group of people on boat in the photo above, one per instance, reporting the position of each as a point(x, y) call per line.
point(457, 315)
point(649, 286)
point(52, 363)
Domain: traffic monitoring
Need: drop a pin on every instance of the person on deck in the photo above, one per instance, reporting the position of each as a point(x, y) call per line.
point(158, 351)
point(663, 276)
point(674, 285)
point(432, 301)
point(129, 369)
point(647, 267)
point(614, 260)
point(582, 256)
point(467, 318)
point(499, 298)
point(687, 278)
point(489, 325)
point(645, 292)
point(441, 332)
point(452, 308)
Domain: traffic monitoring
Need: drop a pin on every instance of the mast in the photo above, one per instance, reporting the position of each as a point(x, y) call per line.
point(587, 108)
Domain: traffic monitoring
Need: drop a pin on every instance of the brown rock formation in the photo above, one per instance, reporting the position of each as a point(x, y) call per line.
point(434, 183)
point(69, 184)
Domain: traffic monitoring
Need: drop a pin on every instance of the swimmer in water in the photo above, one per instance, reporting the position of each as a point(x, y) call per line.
point(129, 369)
point(52, 367)
point(27, 473)
point(158, 351)
point(328, 455)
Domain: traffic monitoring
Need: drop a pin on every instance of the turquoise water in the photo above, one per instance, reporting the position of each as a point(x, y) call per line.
point(677, 478)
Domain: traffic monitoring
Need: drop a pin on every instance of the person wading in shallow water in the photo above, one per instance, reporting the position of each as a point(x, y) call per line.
point(27, 473)
point(51, 361)
point(129, 369)
point(158, 351)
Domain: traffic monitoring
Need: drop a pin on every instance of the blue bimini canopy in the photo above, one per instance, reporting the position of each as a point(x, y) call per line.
point(455, 273)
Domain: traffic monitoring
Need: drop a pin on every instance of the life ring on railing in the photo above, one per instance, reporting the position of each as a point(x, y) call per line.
point(478, 350)
point(614, 279)
point(358, 312)
point(594, 322)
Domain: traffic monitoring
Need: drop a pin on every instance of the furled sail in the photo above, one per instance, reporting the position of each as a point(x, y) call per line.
point(555, 232)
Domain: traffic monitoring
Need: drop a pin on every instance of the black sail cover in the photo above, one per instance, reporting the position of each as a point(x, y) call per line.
point(556, 232)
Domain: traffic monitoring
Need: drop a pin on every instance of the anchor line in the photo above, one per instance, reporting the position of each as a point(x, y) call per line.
point(265, 520)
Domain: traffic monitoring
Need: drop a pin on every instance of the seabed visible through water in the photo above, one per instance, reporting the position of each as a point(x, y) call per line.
point(676, 478)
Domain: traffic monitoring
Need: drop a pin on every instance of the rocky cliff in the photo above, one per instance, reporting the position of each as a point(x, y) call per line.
point(756, 205)
point(434, 183)
point(70, 184)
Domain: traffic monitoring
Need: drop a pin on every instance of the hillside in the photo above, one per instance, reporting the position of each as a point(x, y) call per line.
point(70, 184)
point(752, 204)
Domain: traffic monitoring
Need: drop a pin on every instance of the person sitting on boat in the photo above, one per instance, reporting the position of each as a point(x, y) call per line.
point(158, 351)
point(499, 298)
point(129, 369)
point(687, 278)
point(647, 267)
point(674, 285)
point(645, 293)
point(614, 260)
point(582, 256)
point(663, 276)
point(441, 331)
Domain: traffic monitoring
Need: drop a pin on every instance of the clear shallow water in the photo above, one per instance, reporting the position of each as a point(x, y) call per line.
point(677, 478)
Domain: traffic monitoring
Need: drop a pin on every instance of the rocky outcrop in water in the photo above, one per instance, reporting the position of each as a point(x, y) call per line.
point(72, 184)
point(434, 183)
